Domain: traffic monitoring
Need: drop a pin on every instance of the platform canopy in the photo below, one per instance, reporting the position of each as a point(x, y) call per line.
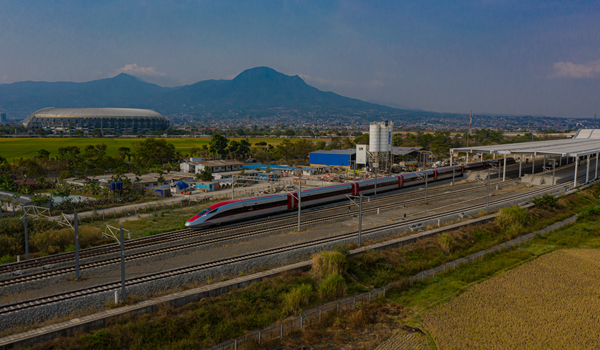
point(585, 142)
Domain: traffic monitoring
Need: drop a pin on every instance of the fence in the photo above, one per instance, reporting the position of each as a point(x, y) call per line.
point(297, 323)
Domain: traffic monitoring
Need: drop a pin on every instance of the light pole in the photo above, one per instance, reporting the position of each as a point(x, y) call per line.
point(554, 170)
point(426, 177)
point(376, 165)
point(76, 219)
point(453, 169)
point(487, 200)
point(123, 296)
point(232, 186)
point(360, 219)
point(26, 234)
point(299, 202)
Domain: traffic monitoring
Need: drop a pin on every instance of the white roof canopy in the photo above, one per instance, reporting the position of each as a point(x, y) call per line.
point(587, 141)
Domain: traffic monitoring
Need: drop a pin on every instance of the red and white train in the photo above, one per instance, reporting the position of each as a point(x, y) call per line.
point(250, 208)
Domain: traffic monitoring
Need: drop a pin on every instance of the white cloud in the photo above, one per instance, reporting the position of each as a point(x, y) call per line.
point(574, 70)
point(133, 69)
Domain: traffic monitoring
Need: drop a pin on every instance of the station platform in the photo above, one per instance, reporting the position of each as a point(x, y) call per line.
point(562, 175)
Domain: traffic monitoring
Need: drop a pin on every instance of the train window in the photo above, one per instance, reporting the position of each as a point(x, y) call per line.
point(203, 212)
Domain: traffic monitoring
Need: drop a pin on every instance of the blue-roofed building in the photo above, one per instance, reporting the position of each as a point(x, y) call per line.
point(342, 157)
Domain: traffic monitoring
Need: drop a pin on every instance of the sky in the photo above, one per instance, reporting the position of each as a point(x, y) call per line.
point(490, 56)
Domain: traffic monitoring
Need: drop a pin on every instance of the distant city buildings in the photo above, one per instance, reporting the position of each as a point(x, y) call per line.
point(3, 118)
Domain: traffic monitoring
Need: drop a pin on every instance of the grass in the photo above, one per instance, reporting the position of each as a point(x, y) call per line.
point(27, 147)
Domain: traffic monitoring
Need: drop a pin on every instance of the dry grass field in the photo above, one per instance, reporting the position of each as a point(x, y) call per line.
point(552, 302)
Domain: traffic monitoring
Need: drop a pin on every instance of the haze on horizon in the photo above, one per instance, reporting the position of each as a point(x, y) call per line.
point(489, 56)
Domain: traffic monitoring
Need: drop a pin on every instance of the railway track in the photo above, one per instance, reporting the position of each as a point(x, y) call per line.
point(131, 257)
point(21, 305)
point(185, 234)
point(190, 233)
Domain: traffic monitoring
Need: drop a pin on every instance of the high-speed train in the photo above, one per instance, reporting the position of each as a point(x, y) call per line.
point(250, 208)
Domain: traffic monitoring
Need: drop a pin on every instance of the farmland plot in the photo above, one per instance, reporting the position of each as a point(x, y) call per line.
point(552, 302)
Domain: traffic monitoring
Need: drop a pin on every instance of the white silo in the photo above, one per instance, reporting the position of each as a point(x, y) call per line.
point(374, 138)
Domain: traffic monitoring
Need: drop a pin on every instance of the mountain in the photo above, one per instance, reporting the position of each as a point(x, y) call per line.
point(22, 98)
point(391, 104)
point(261, 91)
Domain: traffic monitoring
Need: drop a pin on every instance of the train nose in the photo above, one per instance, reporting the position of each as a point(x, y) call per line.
point(188, 224)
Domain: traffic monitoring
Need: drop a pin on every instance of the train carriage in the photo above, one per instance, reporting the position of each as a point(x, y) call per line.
point(449, 172)
point(384, 184)
point(322, 195)
point(238, 210)
point(418, 178)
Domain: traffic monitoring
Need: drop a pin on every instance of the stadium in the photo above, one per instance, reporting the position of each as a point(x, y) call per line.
point(113, 120)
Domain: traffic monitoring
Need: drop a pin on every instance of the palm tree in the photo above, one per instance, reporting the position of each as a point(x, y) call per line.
point(7, 185)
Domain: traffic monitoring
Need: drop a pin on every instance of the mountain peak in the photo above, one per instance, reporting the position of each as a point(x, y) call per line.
point(258, 72)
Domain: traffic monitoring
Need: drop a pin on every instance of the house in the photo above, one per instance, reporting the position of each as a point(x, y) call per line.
point(216, 166)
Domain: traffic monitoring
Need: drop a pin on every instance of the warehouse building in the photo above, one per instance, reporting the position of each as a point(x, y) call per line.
point(358, 155)
point(113, 120)
point(343, 157)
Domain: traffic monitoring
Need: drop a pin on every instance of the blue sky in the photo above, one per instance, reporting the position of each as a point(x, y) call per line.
point(491, 56)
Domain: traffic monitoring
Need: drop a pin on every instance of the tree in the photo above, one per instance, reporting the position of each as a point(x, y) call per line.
point(78, 133)
point(97, 132)
point(302, 149)
point(286, 149)
point(124, 152)
point(218, 144)
point(233, 148)
point(41, 131)
point(268, 170)
point(43, 154)
point(362, 139)
point(205, 175)
point(153, 152)
point(289, 132)
point(244, 147)
point(240, 132)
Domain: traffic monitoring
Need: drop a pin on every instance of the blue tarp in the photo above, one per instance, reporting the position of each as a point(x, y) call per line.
point(181, 185)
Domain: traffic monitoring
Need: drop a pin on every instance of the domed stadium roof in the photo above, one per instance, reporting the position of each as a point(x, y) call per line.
point(104, 113)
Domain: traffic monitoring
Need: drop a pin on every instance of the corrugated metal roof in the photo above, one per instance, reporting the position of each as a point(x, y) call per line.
point(402, 151)
point(337, 151)
point(586, 142)
point(219, 163)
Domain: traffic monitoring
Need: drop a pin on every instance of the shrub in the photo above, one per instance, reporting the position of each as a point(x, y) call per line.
point(326, 264)
point(446, 242)
point(546, 201)
point(588, 212)
point(513, 219)
point(7, 259)
point(332, 287)
point(55, 241)
point(296, 298)
point(9, 246)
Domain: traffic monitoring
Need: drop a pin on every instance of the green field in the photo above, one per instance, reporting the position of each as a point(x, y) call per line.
point(26, 148)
